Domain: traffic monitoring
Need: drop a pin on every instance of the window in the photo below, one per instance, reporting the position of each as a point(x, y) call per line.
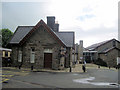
point(114, 43)
point(32, 55)
point(3, 53)
point(20, 56)
point(8, 54)
point(33, 49)
point(83, 54)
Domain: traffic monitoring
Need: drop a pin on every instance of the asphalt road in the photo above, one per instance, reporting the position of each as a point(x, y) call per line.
point(93, 78)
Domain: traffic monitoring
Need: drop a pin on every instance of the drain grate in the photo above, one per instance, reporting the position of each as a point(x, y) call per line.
point(5, 82)
point(114, 84)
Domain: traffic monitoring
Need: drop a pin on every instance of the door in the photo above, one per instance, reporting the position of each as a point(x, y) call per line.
point(48, 60)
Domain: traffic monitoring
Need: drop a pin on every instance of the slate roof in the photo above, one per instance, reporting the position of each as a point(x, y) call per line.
point(20, 33)
point(66, 37)
point(105, 51)
point(111, 49)
point(94, 46)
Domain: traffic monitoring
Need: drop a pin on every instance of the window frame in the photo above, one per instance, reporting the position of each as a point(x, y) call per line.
point(32, 55)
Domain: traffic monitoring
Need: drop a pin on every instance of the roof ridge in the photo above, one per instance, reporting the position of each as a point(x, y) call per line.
point(66, 32)
point(25, 26)
point(41, 22)
point(100, 43)
point(111, 49)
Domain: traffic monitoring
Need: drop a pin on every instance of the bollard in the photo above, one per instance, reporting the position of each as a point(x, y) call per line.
point(20, 67)
point(70, 69)
point(31, 67)
point(98, 66)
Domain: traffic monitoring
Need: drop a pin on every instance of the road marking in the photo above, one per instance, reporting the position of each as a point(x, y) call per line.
point(86, 81)
point(4, 80)
point(6, 75)
point(22, 73)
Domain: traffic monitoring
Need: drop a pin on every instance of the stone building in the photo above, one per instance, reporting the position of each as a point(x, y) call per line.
point(42, 46)
point(79, 52)
point(108, 51)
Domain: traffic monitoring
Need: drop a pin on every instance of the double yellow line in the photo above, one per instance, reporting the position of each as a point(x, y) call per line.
point(4, 78)
point(6, 75)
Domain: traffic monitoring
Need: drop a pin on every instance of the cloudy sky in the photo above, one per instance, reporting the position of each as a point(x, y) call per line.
point(92, 21)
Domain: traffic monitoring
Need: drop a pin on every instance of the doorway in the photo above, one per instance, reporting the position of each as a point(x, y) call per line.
point(47, 60)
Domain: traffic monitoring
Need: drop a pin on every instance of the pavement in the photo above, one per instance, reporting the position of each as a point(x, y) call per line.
point(77, 68)
point(8, 72)
point(44, 78)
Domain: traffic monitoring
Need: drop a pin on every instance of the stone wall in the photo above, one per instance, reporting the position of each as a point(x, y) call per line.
point(14, 55)
point(118, 45)
point(110, 58)
point(67, 58)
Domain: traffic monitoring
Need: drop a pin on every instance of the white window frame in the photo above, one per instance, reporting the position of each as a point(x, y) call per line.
point(20, 56)
point(47, 50)
point(3, 53)
point(8, 54)
point(32, 56)
point(118, 60)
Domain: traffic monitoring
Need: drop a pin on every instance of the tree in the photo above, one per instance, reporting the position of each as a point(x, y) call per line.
point(6, 35)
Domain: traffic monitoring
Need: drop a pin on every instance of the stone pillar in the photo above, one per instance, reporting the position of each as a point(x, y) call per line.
point(76, 52)
point(74, 59)
point(80, 51)
point(62, 60)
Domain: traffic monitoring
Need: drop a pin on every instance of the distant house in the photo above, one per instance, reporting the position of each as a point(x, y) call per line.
point(108, 51)
point(42, 46)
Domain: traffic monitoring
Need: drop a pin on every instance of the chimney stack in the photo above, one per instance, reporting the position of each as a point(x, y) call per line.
point(51, 23)
point(56, 27)
point(80, 51)
point(81, 43)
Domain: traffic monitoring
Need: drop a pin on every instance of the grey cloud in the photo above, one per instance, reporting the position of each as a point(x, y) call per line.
point(95, 32)
point(21, 13)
